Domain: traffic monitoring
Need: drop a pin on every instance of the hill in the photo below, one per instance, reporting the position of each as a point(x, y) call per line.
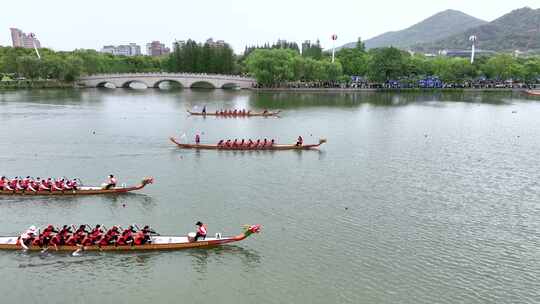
point(434, 28)
point(517, 30)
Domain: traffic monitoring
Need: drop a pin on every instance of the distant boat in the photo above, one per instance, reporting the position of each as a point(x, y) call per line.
point(535, 92)
point(248, 148)
point(237, 114)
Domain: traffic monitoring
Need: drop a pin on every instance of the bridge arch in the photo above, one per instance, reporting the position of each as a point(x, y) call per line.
point(230, 86)
point(177, 82)
point(202, 84)
point(127, 84)
point(104, 84)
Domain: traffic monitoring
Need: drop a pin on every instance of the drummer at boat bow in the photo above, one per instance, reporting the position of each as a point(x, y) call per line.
point(201, 231)
point(111, 182)
point(299, 141)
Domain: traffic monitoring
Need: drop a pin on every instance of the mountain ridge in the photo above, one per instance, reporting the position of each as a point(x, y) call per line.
point(516, 30)
point(438, 26)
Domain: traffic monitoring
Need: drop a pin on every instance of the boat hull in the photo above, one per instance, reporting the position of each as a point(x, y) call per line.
point(69, 192)
point(533, 92)
point(158, 243)
point(270, 148)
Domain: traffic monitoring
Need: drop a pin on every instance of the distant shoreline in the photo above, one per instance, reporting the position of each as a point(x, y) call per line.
point(52, 84)
point(386, 90)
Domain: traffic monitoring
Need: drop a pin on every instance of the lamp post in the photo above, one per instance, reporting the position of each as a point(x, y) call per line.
point(334, 38)
point(33, 36)
point(472, 39)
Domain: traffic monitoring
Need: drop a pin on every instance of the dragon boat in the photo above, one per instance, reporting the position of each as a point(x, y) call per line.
point(247, 114)
point(156, 243)
point(274, 147)
point(533, 92)
point(81, 190)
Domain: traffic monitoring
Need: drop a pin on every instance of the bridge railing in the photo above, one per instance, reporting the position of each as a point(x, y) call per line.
point(161, 74)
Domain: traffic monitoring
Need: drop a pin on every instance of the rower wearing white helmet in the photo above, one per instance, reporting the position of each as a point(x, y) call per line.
point(27, 237)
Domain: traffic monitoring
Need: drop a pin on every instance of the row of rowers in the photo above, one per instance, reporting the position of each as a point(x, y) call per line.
point(99, 235)
point(265, 143)
point(46, 184)
point(234, 112)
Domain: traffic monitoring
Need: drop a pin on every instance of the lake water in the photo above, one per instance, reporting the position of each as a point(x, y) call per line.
point(416, 198)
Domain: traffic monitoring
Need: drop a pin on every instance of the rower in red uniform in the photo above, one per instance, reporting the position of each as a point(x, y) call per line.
point(60, 238)
point(127, 236)
point(57, 186)
point(110, 237)
point(299, 141)
point(43, 185)
point(45, 237)
point(93, 237)
point(14, 183)
point(32, 185)
point(142, 236)
point(71, 184)
point(78, 236)
point(201, 231)
point(3, 183)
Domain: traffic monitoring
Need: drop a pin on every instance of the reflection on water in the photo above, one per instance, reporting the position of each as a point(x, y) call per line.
point(200, 258)
point(285, 100)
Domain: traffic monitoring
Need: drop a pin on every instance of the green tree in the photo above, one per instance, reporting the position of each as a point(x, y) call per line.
point(353, 61)
point(29, 67)
point(499, 67)
point(386, 64)
point(272, 66)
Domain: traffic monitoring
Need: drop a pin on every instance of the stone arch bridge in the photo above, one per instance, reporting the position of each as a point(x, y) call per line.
point(153, 80)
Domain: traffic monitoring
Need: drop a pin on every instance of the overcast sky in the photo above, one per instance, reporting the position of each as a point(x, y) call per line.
point(70, 24)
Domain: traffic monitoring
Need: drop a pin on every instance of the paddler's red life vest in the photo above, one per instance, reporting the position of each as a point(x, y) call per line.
point(201, 230)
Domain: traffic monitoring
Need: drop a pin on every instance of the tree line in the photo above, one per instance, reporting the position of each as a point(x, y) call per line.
point(195, 57)
point(273, 65)
point(68, 66)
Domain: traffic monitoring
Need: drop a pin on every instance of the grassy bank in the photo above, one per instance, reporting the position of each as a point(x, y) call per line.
point(34, 84)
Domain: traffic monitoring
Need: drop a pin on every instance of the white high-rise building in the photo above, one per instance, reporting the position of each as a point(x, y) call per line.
point(131, 49)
